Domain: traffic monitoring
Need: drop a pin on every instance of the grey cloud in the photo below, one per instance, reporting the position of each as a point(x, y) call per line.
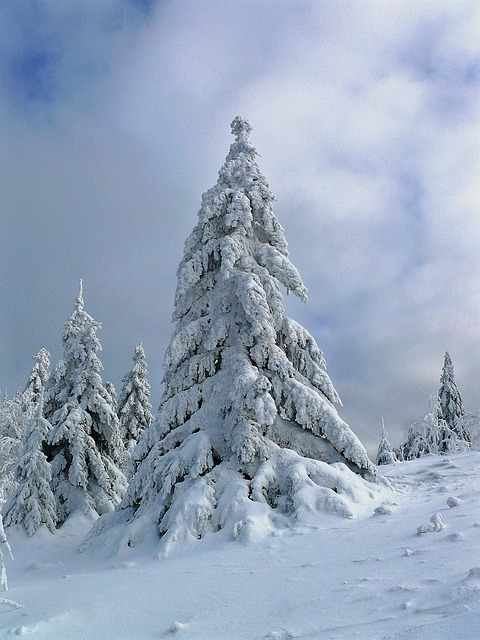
point(375, 186)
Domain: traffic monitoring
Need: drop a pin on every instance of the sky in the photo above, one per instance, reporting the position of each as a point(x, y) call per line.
point(115, 118)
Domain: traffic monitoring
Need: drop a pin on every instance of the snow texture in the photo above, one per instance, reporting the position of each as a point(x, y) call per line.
point(368, 577)
point(245, 386)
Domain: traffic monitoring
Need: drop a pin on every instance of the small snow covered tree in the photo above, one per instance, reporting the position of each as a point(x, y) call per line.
point(431, 435)
point(84, 445)
point(38, 376)
point(450, 405)
point(14, 416)
point(247, 430)
point(134, 408)
point(3, 545)
point(32, 503)
point(385, 453)
point(12, 425)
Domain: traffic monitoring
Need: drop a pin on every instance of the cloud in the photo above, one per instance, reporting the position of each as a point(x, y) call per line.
point(53, 50)
point(367, 124)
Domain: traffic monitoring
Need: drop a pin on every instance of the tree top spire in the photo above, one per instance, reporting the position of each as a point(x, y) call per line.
point(241, 128)
point(79, 300)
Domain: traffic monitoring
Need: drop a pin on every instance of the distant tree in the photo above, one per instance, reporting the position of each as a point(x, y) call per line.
point(56, 391)
point(471, 423)
point(110, 389)
point(32, 503)
point(134, 408)
point(12, 426)
point(385, 453)
point(431, 435)
point(84, 445)
point(450, 405)
point(3, 545)
point(247, 422)
point(38, 376)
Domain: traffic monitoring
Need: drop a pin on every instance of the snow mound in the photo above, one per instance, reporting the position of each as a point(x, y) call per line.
point(287, 490)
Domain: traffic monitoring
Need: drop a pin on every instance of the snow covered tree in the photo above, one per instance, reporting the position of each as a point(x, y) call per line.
point(431, 435)
point(110, 388)
point(12, 426)
point(3, 545)
point(38, 376)
point(84, 445)
point(419, 440)
point(14, 416)
point(32, 503)
point(247, 429)
point(450, 405)
point(56, 391)
point(134, 409)
point(385, 453)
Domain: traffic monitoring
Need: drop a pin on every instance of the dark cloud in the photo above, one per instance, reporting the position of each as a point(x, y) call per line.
point(52, 50)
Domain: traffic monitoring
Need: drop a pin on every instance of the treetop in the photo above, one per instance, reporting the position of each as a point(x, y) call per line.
point(241, 129)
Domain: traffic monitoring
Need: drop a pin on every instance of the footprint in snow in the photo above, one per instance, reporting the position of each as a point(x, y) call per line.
point(456, 537)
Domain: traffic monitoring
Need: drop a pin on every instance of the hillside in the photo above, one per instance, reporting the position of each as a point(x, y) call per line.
point(371, 577)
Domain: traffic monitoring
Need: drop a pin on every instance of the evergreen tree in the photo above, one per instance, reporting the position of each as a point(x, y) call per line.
point(450, 405)
point(3, 545)
point(38, 377)
point(56, 391)
point(247, 423)
point(431, 435)
point(12, 426)
point(84, 445)
point(32, 504)
point(110, 388)
point(134, 409)
point(385, 453)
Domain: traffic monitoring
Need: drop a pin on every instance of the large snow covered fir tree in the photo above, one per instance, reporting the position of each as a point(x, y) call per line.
point(84, 445)
point(247, 427)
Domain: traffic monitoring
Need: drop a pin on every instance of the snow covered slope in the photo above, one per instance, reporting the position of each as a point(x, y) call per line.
point(371, 577)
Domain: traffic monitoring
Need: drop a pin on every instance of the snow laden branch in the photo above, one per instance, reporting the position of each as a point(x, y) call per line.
point(247, 425)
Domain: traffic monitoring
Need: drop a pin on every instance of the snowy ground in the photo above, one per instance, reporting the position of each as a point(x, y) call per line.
point(373, 577)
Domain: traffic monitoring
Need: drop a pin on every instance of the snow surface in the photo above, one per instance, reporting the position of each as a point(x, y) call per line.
point(369, 577)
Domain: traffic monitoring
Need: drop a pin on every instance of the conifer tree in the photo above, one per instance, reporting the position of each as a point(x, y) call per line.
point(3, 545)
point(12, 426)
point(38, 376)
point(110, 388)
point(385, 453)
point(247, 426)
point(84, 445)
point(32, 504)
point(134, 408)
point(450, 404)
